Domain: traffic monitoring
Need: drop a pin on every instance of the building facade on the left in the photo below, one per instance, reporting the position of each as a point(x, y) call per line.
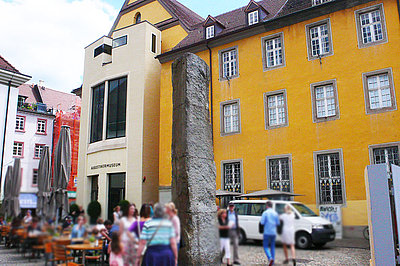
point(10, 80)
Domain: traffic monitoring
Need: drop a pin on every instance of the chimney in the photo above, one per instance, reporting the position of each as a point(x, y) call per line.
point(41, 84)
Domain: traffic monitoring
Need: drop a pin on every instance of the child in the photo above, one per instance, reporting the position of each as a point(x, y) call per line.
point(116, 250)
point(224, 234)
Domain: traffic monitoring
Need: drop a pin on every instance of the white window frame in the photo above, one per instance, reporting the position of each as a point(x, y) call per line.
point(378, 73)
point(314, 87)
point(275, 51)
point(229, 65)
point(39, 148)
point(279, 157)
point(342, 176)
point(267, 109)
point(371, 149)
point(210, 32)
point(20, 123)
point(229, 104)
point(320, 38)
point(319, 2)
point(41, 126)
point(18, 149)
point(253, 17)
point(223, 163)
point(369, 10)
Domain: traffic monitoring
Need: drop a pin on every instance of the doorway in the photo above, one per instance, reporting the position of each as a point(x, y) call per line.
point(116, 191)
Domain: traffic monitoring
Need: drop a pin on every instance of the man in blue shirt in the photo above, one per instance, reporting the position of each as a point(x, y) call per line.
point(270, 220)
point(234, 232)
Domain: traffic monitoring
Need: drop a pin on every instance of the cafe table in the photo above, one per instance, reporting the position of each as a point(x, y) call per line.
point(84, 247)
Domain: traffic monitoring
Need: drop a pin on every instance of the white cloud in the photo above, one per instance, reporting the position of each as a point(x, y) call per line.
point(46, 38)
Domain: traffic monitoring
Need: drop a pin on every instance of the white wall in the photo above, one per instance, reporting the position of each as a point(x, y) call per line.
point(12, 110)
point(30, 138)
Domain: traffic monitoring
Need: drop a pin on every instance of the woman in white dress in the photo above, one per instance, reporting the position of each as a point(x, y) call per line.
point(127, 238)
point(288, 233)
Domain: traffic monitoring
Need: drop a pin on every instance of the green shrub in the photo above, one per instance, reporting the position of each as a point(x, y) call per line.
point(94, 211)
point(73, 208)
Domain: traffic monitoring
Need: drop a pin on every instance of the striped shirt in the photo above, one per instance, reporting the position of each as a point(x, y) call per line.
point(164, 234)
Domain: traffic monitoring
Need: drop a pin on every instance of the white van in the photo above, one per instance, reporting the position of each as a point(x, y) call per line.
point(310, 228)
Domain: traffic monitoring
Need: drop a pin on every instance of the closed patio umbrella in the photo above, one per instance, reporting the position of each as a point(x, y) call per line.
point(15, 188)
point(62, 171)
point(44, 179)
point(5, 208)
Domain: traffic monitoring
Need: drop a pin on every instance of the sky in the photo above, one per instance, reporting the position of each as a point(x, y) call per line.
point(45, 39)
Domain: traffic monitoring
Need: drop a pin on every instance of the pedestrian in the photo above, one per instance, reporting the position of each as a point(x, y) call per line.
point(79, 229)
point(234, 232)
point(172, 213)
point(224, 234)
point(136, 227)
point(129, 243)
point(2, 221)
point(117, 250)
point(99, 226)
point(288, 233)
point(117, 214)
point(270, 220)
point(28, 217)
point(158, 236)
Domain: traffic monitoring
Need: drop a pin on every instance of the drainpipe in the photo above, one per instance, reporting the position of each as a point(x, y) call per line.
point(398, 7)
point(5, 131)
point(211, 94)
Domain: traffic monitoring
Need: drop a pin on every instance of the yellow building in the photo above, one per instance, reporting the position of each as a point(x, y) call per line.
point(302, 96)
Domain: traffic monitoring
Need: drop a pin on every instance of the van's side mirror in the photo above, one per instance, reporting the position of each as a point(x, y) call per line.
point(297, 217)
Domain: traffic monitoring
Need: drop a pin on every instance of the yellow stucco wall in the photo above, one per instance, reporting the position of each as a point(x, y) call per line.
point(352, 133)
point(171, 37)
point(153, 12)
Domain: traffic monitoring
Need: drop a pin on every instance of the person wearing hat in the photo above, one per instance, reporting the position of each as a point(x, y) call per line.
point(28, 217)
point(234, 232)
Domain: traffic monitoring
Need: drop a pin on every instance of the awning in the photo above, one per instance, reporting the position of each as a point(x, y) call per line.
point(268, 193)
point(27, 201)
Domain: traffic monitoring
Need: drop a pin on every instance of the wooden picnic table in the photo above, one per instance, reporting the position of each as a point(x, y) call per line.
point(84, 247)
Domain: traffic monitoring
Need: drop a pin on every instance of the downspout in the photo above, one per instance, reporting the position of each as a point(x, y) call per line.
point(398, 7)
point(5, 132)
point(211, 93)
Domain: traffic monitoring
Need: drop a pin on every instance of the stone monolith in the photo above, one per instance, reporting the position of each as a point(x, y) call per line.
point(193, 166)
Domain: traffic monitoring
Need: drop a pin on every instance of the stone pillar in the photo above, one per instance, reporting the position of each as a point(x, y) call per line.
point(193, 166)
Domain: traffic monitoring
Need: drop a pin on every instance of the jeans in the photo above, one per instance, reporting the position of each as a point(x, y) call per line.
point(269, 246)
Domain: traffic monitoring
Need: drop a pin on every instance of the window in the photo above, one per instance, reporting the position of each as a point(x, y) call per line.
point(257, 209)
point(96, 132)
point(232, 176)
point(371, 27)
point(18, 149)
point(319, 39)
point(330, 177)
point(273, 54)
point(253, 17)
point(241, 208)
point(279, 173)
point(138, 18)
point(35, 177)
point(230, 120)
point(324, 101)
point(210, 32)
point(20, 123)
point(318, 2)
point(94, 193)
point(379, 91)
point(385, 154)
point(120, 41)
point(39, 148)
point(21, 100)
point(275, 109)
point(153, 43)
point(116, 108)
point(104, 48)
point(228, 63)
point(41, 126)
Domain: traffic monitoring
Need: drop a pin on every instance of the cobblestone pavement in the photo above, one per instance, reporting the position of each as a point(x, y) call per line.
point(340, 252)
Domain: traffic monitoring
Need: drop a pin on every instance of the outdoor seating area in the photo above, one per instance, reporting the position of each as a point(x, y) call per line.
point(53, 246)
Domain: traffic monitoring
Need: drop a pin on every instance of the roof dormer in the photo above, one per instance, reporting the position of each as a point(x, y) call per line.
point(212, 27)
point(255, 13)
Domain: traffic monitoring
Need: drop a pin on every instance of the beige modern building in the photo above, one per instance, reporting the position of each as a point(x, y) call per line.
point(118, 156)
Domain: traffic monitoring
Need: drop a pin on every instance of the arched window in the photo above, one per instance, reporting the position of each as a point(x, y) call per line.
point(138, 18)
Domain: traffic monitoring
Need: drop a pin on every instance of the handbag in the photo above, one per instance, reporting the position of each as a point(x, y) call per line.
point(148, 243)
point(260, 228)
point(279, 228)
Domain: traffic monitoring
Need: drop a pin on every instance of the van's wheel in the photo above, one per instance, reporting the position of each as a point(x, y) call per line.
point(303, 240)
point(242, 237)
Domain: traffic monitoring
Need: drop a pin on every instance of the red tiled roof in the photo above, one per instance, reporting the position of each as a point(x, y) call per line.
point(184, 14)
point(56, 100)
point(232, 20)
point(4, 64)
